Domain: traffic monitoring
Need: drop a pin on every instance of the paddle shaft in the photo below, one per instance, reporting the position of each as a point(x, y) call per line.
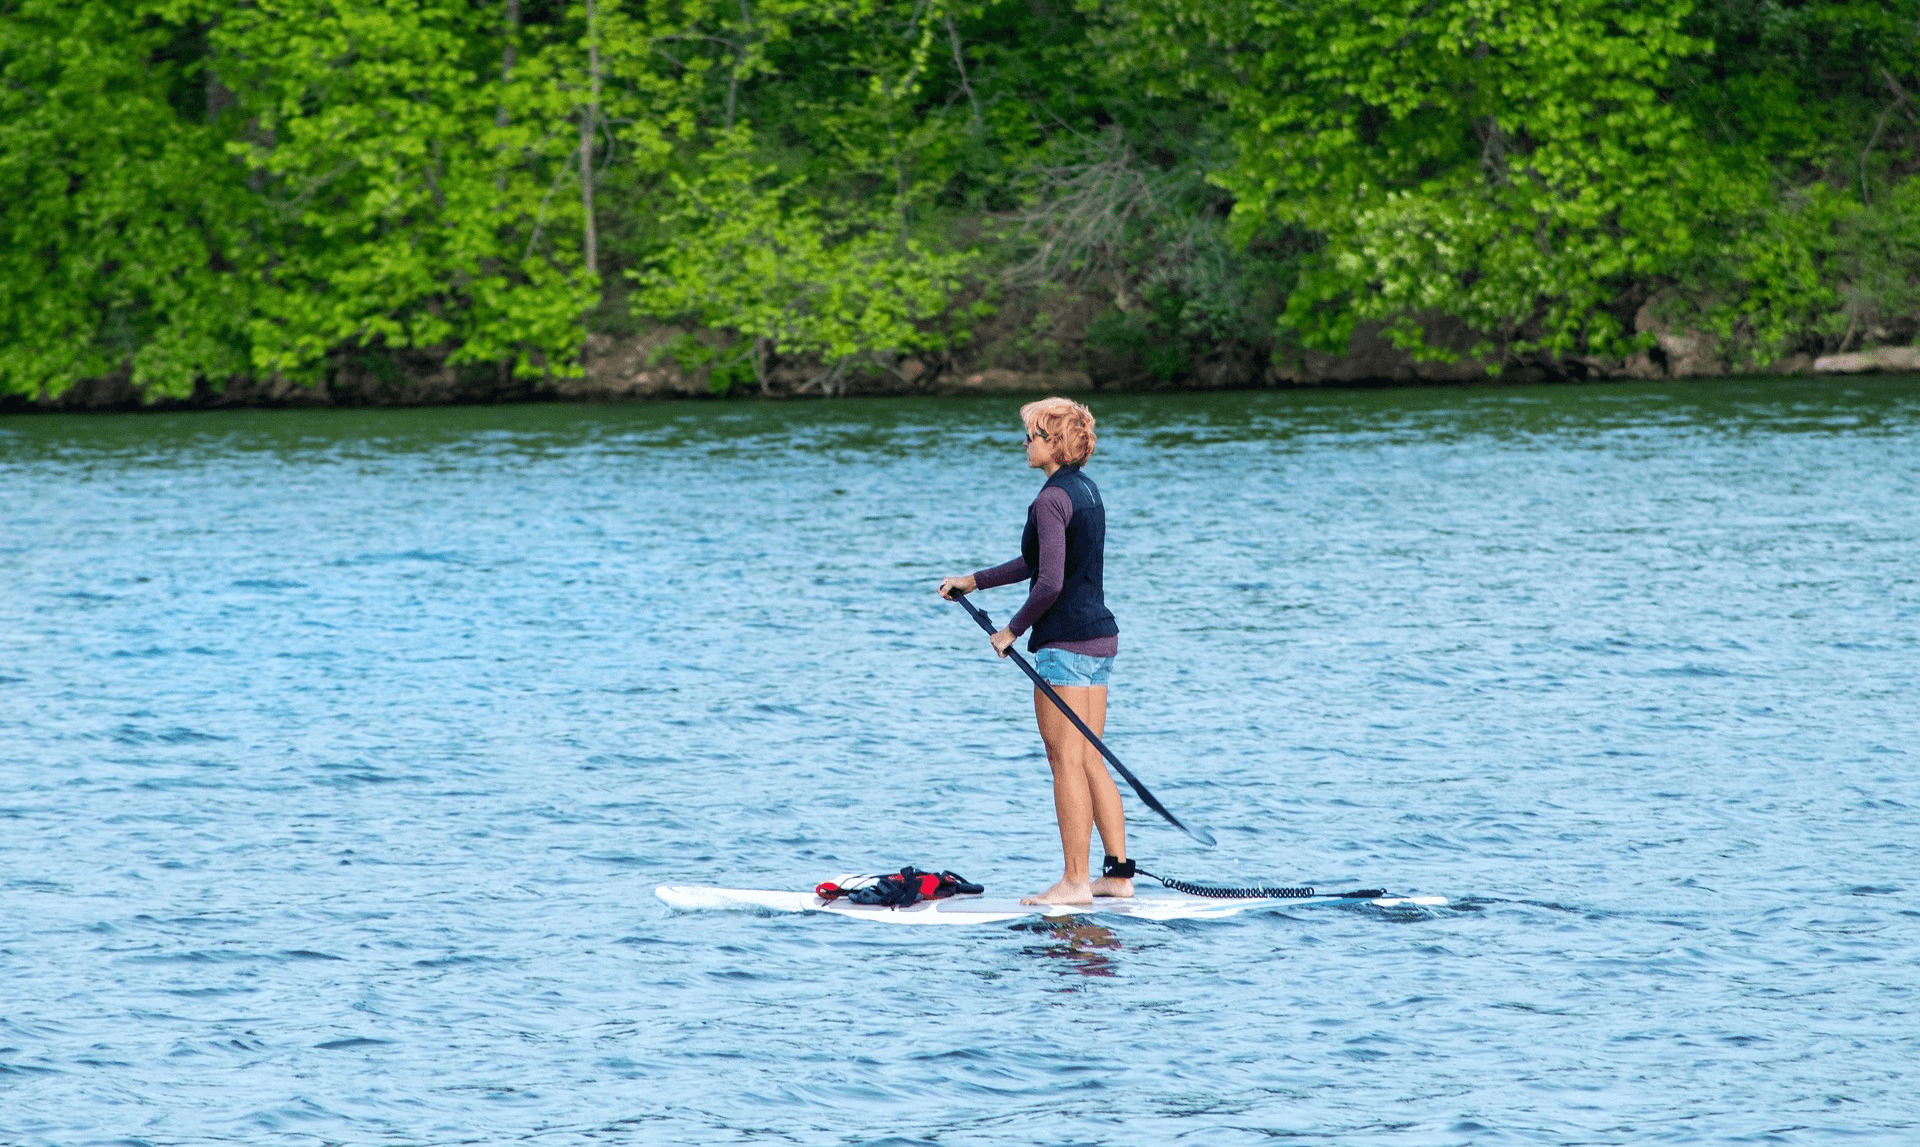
point(1197, 832)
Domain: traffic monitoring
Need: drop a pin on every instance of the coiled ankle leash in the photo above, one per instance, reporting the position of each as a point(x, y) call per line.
point(1126, 869)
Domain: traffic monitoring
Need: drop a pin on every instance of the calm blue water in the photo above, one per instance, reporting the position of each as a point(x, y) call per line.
point(341, 752)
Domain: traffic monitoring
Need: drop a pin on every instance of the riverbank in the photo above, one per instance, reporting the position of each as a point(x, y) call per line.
point(1054, 343)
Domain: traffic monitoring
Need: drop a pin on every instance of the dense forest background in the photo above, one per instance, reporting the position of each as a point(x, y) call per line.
point(799, 195)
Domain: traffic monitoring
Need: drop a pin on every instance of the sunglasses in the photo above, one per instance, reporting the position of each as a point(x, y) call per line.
point(1037, 433)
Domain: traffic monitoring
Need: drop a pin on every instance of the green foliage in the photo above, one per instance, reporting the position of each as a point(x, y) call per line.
point(726, 366)
point(1814, 270)
point(408, 188)
point(1152, 339)
point(192, 190)
point(1801, 86)
point(760, 257)
point(1508, 162)
point(120, 217)
point(1876, 255)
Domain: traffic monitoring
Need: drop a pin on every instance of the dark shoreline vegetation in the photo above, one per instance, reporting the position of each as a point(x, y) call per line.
point(297, 202)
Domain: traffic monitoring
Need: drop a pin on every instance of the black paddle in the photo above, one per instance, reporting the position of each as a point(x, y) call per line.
point(1197, 832)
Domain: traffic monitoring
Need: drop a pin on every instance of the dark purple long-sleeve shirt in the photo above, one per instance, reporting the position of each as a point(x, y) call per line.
point(1053, 509)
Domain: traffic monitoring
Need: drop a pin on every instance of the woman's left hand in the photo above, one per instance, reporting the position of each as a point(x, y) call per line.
point(1003, 641)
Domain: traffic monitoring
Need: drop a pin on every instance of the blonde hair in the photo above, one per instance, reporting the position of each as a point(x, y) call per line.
point(1064, 425)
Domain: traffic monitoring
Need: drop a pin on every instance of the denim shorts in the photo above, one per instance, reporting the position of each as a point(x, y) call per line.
point(1060, 667)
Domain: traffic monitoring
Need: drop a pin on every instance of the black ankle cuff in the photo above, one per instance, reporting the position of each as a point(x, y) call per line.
point(1117, 869)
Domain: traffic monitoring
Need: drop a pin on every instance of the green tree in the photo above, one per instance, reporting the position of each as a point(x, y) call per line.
point(1809, 112)
point(411, 181)
point(804, 224)
point(123, 223)
point(1511, 163)
point(764, 259)
point(197, 189)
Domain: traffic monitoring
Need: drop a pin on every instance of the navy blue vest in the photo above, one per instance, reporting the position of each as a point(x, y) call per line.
point(1080, 612)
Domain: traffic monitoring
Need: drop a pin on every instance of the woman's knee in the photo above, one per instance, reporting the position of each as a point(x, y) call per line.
point(1066, 764)
point(1096, 771)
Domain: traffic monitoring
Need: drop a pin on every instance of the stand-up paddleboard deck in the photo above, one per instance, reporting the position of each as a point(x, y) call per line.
point(989, 910)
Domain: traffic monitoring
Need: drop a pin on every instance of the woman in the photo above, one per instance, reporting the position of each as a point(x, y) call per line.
point(1074, 642)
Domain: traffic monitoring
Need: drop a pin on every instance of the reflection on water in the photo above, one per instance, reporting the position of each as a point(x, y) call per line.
point(1082, 945)
point(470, 440)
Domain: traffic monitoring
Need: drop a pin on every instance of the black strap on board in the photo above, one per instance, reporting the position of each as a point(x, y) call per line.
point(1125, 870)
point(1302, 893)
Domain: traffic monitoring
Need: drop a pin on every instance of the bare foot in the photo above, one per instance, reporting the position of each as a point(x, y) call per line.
point(1062, 893)
point(1112, 886)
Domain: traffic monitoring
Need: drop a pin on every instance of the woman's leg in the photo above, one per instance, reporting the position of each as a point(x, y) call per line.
point(1109, 813)
point(1083, 793)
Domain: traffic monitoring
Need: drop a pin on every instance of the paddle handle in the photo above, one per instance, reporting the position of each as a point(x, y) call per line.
point(1197, 832)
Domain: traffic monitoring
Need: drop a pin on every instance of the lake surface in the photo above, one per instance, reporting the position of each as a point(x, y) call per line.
point(341, 752)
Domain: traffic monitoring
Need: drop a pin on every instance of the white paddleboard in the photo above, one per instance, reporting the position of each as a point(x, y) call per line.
point(989, 910)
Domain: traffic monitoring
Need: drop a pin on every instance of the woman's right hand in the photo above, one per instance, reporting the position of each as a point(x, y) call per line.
point(961, 585)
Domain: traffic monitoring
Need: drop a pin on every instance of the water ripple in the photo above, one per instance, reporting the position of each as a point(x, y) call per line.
point(343, 749)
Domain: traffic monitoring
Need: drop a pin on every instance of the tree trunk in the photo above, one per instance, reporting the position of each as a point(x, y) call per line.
point(589, 124)
point(219, 99)
point(740, 51)
point(509, 56)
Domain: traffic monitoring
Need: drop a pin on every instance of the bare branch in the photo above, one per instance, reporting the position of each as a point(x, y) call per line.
point(1082, 216)
point(540, 217)
point(1879, 126)
point(953, 38)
